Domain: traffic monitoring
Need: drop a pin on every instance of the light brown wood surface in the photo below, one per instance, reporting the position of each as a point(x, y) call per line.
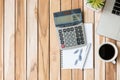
point(54, 49)
point(20, 40)
point(9, 40)
point(1, 39)
point(29, 48)
point(43, 24)
point(32, 42)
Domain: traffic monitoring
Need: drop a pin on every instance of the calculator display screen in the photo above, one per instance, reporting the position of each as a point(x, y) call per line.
point(67, 19)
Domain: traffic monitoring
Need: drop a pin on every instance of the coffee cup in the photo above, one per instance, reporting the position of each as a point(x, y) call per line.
point(108, 52)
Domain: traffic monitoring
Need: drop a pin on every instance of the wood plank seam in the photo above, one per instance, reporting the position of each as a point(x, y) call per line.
point(1, 38)
point(37, 39)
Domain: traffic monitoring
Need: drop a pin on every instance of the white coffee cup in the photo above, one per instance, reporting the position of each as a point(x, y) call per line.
point(108, 52)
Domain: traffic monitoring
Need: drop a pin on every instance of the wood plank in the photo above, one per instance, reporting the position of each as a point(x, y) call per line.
point(80, 4)
point(75, 4)
point(89, 17)
point(32, 40)
point(20, 32)
point(66, 74)
point(118, 61)
point(1, 39)
point(66, 4)
point(110, 67)
point(9, 40)
point(77, 74)
point(54, 45)
point(99, 65)
point(44, 39)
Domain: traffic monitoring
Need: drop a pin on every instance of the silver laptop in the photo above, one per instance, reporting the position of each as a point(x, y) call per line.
point(109, 24)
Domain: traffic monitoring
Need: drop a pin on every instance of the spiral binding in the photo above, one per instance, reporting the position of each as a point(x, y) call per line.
point(61, 59)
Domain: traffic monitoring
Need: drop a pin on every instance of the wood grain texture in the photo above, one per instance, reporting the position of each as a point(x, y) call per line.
point(1, 39)
point(9, 40)
point(118, 61)
point(89, 18)
point(75, 4)
point(29, 48)
point(54, 47)
point(32, 40)
point(66, 74)
point(44, 39)
point(110, 67)
point(99, 65)
point(20, 39)
point(80, 4)
point(77, 74)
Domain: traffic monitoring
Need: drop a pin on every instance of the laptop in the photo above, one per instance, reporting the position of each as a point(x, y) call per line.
point(109, 24)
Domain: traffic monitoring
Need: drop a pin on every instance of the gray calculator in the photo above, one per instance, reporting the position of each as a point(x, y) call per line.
point(70, 29)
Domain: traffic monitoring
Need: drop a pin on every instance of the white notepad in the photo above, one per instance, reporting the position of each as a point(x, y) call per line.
point(79, 58)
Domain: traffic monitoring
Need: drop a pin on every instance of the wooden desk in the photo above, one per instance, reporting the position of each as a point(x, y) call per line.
point(29, 47)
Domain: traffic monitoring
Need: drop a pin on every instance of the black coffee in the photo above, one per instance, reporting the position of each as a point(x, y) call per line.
point(106, 51)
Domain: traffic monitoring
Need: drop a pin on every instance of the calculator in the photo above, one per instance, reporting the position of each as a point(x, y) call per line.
point(70, 29)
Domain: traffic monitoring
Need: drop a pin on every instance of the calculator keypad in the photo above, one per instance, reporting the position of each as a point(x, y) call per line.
point(70, 39)
point(72, 36)
point(79, 35)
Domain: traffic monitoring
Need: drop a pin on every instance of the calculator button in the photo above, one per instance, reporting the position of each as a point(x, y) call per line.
point(77, 35)
point(76, 28)
point(62, 42)
point(80, 30)
point(62, 45)
point(81, 34)
point(78, 39)
point(68, 29)
point(61, 38)
point(64, 30)
point(78, 43)
point(80, 27)
point(72, 29)
point(82, 38)
point(82, 42)
point(60, 31)
point(60, 34)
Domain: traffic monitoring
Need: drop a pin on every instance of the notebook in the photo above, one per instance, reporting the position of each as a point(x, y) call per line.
point(82, 57)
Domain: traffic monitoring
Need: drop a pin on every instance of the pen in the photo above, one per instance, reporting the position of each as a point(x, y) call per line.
point(87, 51)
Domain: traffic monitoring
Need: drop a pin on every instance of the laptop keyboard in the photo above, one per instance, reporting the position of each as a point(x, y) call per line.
point(116, 8)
